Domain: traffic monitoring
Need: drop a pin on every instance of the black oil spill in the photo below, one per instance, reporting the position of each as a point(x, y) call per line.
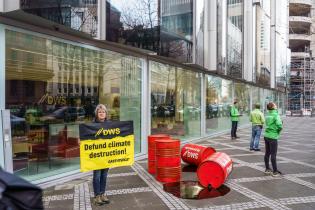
point(193, 190)
point(189, 168)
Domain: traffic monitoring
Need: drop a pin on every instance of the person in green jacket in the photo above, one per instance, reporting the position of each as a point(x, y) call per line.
point(258, 120)
point(271, 136)
point(234, 118)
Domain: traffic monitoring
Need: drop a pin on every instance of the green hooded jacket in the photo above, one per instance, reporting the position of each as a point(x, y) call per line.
point(234, 114)
point(273, 125)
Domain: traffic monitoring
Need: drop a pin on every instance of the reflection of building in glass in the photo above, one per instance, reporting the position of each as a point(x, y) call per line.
point(263, 53)
point(20, 59)
point(138, 28)
point(80, 15)
point(235, 38)
point(176, 29)
point(164, 27)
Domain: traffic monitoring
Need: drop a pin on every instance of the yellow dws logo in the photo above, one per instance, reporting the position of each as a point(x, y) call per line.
point(106, 132)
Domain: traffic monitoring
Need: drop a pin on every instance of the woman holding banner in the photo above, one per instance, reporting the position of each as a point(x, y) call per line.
point(100, 176)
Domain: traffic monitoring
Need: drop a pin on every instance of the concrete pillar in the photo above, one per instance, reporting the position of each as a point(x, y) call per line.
point(273, 44)
point(249, 41)
point(9, 5)
point(210, 44)
point(101, 25)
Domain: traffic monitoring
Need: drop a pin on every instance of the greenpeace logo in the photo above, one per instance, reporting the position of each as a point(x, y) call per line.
point(106, 132)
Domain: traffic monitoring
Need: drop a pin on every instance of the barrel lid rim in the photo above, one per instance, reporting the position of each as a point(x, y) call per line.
point(167, 140)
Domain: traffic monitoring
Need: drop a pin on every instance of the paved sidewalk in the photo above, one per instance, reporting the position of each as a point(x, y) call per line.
point(133, 188)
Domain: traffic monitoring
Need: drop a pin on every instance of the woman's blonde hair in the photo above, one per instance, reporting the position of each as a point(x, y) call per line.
point(98, 107)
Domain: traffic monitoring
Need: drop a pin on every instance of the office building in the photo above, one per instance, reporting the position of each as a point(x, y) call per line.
point(170, 66)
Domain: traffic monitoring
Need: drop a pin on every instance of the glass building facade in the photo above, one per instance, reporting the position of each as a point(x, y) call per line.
point(80, 15)
point(54, 80)
point(52, 86)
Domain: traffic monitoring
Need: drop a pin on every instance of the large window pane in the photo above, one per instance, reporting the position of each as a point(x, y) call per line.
point(51, 87)
point(281, 101)
point(255, 96)
point(221, 36)
point(235, 38)
point(163, 26)
point(199, 39)
point(175, 101)
point(263, 59)
point(242, 95)
point(218, 104)
point(76, 14)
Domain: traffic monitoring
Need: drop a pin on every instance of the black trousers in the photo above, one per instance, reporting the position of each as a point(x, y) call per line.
point(271, 147)
point(234, 128)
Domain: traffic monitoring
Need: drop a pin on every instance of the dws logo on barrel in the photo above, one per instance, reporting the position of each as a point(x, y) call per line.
point(191, 153)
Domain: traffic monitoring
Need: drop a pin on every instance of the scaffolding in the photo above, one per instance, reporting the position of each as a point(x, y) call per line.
point(302, 73)
point(302, 84)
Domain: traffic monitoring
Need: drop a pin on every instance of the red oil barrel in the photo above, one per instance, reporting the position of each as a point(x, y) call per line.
point(195, 154)
point(151, 150)
point(168, 163)
point(214, 170)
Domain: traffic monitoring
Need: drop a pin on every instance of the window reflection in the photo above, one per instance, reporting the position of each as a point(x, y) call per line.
point(242, 95)
point(199, 39)
point(235, 37)
point(55, 91)
point(162, 26)
point(263, 56)
point(77, 14)
point(175, 101)
point(221, 34)
point(218, 103)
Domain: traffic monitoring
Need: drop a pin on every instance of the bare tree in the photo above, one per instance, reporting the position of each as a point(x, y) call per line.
point(65, 12)
point(140, 13)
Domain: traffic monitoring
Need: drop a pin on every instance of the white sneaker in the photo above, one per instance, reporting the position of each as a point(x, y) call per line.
point(276, 174)
point(268, 171)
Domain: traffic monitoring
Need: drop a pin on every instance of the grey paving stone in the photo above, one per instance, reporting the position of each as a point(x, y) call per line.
point(52, 191)
point(293, 168)
point(244, 171)
point(306, 206)
point(299, 147)
point(147, 200)
point(121, 170)
point(279, 188)
point(299, 156)
point(235, 151)
point(216, 146)
point(309, 179)
point(60, 205)
point(125, 182)
point(255, 158)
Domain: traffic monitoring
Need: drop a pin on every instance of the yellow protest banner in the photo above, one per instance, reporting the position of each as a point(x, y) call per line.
point(106, 145)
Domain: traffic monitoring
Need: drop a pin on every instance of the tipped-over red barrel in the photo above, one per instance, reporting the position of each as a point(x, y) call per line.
point(214, 170)
point(168, 164)
point(195, 154)
point(151, 150)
